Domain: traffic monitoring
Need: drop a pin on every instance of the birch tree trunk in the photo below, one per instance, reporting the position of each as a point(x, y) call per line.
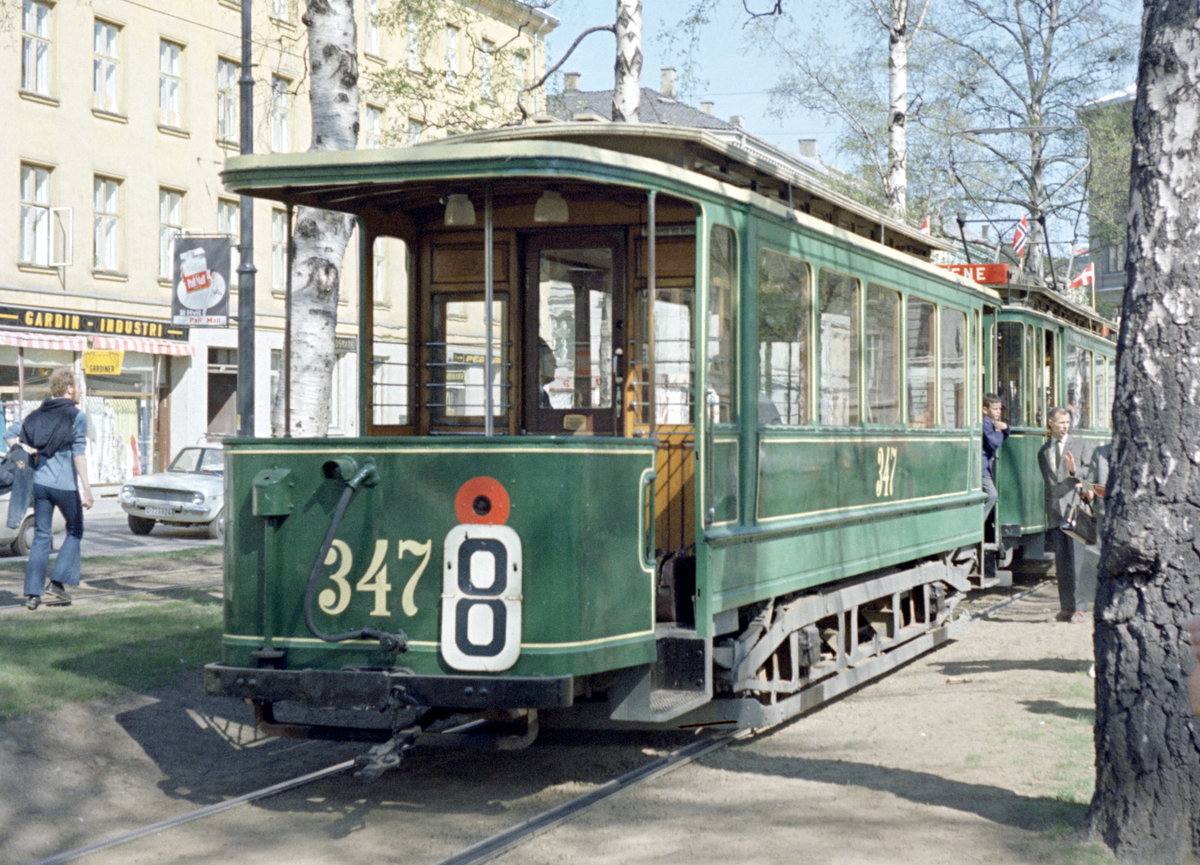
point(627, 74)
point(1147, 800)
point(897, 179)
point(320, 236)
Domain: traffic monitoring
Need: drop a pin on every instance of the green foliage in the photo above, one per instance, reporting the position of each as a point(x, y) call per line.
point(59, 655)
point(417, 85)
point(1110, 129)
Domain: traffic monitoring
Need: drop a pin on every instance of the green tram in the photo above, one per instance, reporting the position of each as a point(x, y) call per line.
point(1048, 352)
point(667, 434)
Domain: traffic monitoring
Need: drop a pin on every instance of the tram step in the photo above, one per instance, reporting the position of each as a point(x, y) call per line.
point(671, 704)
point(678, 681)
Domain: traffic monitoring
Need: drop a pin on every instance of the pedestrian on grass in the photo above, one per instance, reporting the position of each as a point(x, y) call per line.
point(55, 436)
point(1061, 459)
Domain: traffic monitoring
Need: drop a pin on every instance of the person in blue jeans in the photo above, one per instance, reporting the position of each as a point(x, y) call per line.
point(55, 436)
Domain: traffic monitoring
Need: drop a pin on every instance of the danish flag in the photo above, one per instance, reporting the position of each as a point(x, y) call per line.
point(1021, 235)
point(1087, 276)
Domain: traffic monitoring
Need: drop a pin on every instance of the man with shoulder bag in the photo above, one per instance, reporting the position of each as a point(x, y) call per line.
point(55, 437)
point(1062, 460)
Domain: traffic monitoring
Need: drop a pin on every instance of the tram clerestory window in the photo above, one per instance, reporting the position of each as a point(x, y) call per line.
point(838, 305)
point(721, 345)
point(783, 325)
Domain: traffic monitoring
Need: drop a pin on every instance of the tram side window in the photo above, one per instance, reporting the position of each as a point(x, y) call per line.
point(838, 305)
point(882, 354)
point(1078, 374)
point(954, 369)
point(721, 347)
point(674, 355)
point(456, 389)
point(921, 372)
point(391, 268)
point(783, 323)
point(1009, 371)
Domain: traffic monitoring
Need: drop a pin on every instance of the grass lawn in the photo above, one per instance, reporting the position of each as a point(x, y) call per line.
point(82, 652)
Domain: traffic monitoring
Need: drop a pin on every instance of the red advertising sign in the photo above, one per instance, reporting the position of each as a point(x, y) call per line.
point(985, 274)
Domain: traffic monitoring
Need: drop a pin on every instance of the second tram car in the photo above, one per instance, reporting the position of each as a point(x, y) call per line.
point(663, 433)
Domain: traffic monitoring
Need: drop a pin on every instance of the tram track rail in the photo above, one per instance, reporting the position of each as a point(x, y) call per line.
point(507, 839)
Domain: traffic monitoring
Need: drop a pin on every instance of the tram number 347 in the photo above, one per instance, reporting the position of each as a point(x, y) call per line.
point(481, 592)
point(886, 484)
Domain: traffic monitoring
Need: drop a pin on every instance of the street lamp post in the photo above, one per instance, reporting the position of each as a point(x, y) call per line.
point(246, 270)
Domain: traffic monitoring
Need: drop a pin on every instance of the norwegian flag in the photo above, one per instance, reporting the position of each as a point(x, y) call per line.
point(1087, 276)
point(924, 229)
point(1021, 235)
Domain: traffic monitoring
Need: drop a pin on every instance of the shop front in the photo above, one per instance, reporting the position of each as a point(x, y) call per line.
point(126, 367)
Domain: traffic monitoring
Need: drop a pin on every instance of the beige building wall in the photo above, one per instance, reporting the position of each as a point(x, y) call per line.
point(88, 159)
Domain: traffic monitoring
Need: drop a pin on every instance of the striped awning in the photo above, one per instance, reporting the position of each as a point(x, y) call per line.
point(51, 341)
point(146, 345)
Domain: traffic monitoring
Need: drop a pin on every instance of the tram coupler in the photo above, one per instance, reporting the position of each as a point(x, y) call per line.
point(386, 755)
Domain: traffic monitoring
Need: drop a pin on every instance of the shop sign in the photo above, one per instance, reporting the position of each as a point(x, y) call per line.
point(102, 361)
point(201, 281)
point(35, 319)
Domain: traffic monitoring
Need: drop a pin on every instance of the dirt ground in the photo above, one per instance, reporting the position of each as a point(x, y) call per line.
point(978, 752)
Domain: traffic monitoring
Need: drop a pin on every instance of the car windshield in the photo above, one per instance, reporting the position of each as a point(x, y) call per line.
point(208, 461)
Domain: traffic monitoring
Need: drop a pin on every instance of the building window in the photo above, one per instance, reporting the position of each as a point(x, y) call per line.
point(106, 60)
point(279, 236)
point(373, 128)
point(519, 79)
point(170, 84)
point(414, 130)
point(371, 26)
point(414, 43)
point(379, 272)
point(229, 221)
point(281, 114)
point(487, 54)
point(170, 226)
point(35, 215)
point(279, 9)
point(35, 47)
point(451, 55)
point(106, 223)
point(227, 100)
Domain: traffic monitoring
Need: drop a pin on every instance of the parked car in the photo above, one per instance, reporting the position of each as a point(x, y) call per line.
point(20, 539)
point(191, 492)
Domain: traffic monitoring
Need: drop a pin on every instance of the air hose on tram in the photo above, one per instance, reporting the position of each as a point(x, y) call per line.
point(355, 479)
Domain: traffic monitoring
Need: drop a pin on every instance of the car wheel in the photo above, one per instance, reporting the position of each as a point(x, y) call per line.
point(140, 525)
point(216, 529)
point(23, 542)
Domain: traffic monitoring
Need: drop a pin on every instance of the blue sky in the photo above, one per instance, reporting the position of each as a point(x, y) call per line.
point(736, 81)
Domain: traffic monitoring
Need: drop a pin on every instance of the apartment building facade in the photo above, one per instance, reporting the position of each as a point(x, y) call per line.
point(121, 115)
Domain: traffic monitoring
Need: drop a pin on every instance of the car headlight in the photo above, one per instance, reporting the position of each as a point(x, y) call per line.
point(198, 499)
point(126, 493)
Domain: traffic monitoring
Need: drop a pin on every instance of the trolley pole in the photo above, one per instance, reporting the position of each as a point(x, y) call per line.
point(246, 270)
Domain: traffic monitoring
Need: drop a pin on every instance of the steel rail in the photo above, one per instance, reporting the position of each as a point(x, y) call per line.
point(501, 842)
point(199, 814)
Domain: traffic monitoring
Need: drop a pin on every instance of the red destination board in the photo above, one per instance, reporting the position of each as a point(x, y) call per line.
point(987, 274)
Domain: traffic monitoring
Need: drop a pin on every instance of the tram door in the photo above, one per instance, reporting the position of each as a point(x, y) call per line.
point(574, 333)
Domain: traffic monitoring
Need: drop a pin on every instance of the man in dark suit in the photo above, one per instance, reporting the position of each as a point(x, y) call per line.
point(1062, 460)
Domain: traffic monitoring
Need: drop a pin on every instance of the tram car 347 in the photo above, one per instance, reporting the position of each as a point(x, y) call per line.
point(657, 431)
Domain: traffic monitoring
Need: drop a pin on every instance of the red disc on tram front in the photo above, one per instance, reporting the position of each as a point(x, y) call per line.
point(482, 500)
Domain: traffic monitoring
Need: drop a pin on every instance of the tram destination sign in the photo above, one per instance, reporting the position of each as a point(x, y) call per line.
point(989, 273)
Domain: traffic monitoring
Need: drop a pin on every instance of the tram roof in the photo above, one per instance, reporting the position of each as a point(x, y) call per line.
point(354, 178)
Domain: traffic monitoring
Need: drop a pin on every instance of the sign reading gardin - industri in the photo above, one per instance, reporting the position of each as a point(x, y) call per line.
point(200, 295)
